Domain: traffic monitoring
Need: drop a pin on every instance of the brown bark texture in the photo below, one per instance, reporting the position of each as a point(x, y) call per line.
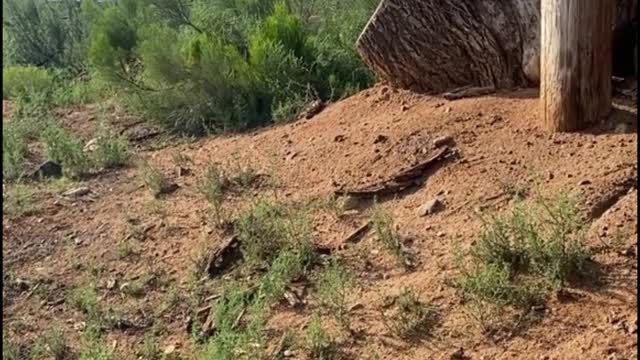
point(575, 81)
point(440, 45)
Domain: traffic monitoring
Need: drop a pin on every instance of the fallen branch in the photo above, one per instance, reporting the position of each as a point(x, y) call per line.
point(357, 234)
point(399, 182)
point(468, 91)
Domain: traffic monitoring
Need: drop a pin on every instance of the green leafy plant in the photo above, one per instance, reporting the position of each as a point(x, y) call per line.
point(14, 152)
point(17, 200)
point(332, 288)
point(410, 317)
point(111, 149)
point(212, 186)
point(383, 227)
point(321, 345)
point(153, 178)
point(66, 149)
point(524, 252)
point(25, 81)
point(265, 230)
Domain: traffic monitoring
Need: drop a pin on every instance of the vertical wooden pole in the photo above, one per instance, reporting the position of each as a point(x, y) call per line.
point(575, 62)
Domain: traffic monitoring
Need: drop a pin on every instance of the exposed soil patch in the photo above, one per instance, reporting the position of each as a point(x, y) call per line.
point(359, 141)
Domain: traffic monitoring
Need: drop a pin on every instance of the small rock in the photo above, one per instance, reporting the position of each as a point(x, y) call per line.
point(48, 169)
point(404, 108)
point(356, 306)
point(289, 353)
point(448, 109)
point(430, 207)
point(79, 326)
point(111, 283)
point(442, 140)
point(168, 187)
point(91, 145)
point(339, 138)
point(440, 234)
point(584, 182)
point(81, 191)
point(380, 139)
point(458, 354)
point(169, 349)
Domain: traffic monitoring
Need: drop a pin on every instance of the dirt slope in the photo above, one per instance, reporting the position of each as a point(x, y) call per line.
point(357, 141)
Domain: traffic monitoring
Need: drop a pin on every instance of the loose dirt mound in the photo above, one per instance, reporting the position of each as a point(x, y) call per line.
point(358, 141)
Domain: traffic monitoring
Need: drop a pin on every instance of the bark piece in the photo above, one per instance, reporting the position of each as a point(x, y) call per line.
point(401, 181)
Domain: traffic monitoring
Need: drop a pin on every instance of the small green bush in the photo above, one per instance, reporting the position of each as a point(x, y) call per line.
point(212, 187)
point(17, 200)
point(153, 178)
point(111, 149)
point(66, 149)
point(265, 230)
point(332, 288)
point(321, 345)
point(524, 252)
point(383, 227)
point(25, 82)
point(411, 317)
point(14, 152)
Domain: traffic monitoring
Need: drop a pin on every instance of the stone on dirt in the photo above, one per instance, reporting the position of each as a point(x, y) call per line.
point(430, 207)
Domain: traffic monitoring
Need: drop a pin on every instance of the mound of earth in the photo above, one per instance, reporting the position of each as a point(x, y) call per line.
point(359, 141)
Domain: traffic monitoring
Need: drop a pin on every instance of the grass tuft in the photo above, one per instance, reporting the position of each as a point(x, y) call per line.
point(383, 227)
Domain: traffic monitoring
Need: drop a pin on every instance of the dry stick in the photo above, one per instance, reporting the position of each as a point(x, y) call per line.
point(357, 234)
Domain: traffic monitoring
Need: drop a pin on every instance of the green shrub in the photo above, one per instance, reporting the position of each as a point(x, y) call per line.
point(411, 317)
point(265, 230)
point(383, 227)
point(14, 152)
point(212, 187)
point(111, 149)
point(153, 178)
point(331, 289)
point(66, 149)
point(25, 82)
point(321, 345)
point(522, 253)
point(17, 200)
point(45, 33)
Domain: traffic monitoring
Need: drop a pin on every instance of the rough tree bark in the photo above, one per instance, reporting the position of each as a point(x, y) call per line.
point(439, 45)
point(575, 81)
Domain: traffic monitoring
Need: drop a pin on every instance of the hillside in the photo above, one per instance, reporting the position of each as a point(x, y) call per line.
point(118, 234)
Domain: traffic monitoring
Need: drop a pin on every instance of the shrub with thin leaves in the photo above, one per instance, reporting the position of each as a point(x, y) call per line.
point(266, 229)
point(383, 227)
point(111, 149)
point(332, 288)
point(14, 152)
point(66, 149)
point(25, 82)
point(410, 316)
point(321, 345)
point(153, 178)
point(527, 250)
point(17, 200)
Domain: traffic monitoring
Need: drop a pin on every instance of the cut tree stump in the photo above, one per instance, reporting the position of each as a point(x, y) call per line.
point(435, 46)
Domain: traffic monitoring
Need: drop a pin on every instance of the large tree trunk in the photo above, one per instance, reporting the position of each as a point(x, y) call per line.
point(575, 86)
point(439, 45)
